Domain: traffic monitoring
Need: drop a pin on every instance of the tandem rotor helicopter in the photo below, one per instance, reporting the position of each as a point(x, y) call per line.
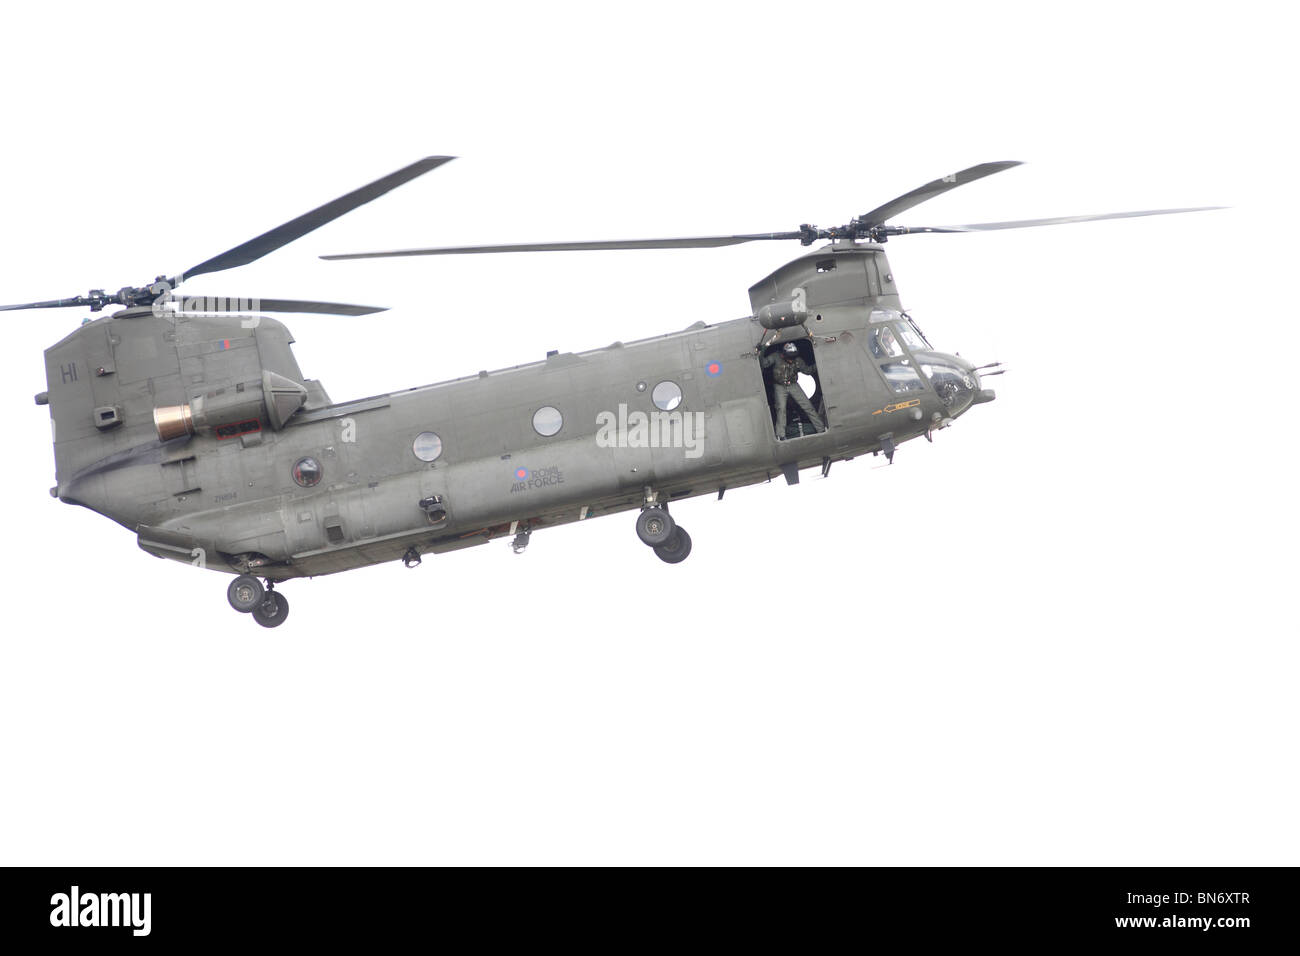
point(189, 422)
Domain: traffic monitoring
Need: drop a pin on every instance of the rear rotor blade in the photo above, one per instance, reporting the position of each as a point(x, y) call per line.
point(1057, 220)
point(697, 242)
point(202, 304)
point(80, 300)
point(254, 249)
point(917, 196)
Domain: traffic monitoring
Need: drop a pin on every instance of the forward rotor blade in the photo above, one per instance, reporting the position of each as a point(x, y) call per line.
point(254, 249)
point(697, 242)
point(917, 196)
point(1058, 220)
point(201, 304)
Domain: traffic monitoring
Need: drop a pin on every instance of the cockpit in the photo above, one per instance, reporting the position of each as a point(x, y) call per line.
point(888, 327)
point(907, 362)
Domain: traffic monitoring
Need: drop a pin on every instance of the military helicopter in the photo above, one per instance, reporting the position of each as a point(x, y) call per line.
point(189, 422)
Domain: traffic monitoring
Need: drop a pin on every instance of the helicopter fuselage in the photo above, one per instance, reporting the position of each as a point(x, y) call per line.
point(335, 486)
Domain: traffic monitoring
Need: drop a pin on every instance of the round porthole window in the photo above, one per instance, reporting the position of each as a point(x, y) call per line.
point(547, 421)
point(427, 446)
point(307, 472)
point(667, 395)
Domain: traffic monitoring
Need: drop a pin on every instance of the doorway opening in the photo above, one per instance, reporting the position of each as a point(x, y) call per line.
point(794, 390)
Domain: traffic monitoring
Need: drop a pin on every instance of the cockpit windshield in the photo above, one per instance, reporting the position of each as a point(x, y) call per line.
point(888, 327)
point(912, 335)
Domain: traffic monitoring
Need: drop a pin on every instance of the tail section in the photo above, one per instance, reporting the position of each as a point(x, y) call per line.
point(113, 382)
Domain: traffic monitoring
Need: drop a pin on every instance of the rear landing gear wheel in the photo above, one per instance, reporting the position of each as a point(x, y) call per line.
point(245, 593)
point(676, 549)
point(272, 611)
point(654, 526)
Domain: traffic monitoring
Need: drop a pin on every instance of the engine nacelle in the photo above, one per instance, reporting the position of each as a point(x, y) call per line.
point(233, 410)
point(781, 315)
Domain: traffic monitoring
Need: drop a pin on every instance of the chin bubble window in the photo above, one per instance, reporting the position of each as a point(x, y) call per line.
point(427, 446)
point(547, 421)
point(667, 396)
point(307, 472)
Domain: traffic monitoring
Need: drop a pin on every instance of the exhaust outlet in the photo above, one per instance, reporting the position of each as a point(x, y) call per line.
point(173, 421)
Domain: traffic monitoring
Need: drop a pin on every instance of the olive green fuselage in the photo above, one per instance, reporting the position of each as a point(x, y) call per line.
point(243, 500)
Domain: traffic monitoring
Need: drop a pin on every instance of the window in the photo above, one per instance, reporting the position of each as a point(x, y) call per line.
point(902, 378)
point(667, 395)
point(954, 385)
point(884, 344)
point(912, 336)
point(547, 421)
point(427, 446)
point(307, 472)
point(917, 329)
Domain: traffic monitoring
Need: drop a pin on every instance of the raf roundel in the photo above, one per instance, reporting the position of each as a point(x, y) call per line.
point(521, 474)
point(713, 369)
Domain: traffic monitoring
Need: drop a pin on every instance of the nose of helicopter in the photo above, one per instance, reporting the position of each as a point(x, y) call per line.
point(956, 382)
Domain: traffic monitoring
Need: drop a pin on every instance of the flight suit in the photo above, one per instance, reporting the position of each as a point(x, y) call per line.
point(785, 385)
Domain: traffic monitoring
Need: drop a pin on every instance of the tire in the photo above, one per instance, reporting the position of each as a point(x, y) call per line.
point(654, 526)
point(245, 593)
point(272, 611)
point(676, 549)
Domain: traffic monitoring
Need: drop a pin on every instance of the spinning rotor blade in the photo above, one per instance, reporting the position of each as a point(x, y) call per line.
point(251, 251)
point(696, 242)
point(919, 195)
point(860, 227)
point(870, 226)
point(254, 249)
point(1025, 223)
point(201, 304)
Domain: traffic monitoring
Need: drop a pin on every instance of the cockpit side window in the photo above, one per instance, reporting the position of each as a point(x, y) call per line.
point(884, 344)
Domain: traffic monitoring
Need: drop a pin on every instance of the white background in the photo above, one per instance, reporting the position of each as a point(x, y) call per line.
point(1064, 633)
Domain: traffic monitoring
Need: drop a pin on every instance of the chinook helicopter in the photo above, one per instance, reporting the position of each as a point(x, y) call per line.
point(189, 422)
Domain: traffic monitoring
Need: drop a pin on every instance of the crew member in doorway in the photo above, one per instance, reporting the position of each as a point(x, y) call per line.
point(786, 365)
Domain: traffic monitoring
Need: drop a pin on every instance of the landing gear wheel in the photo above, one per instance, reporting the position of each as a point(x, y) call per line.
point(676, 549)
point(245, 593)
point(272, 611)
point(654, 526)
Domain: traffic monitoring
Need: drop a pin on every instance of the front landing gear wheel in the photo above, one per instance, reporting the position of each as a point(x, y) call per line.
point(245, 593)
point(654, 526)
point(272, 611)
point(676, 549)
